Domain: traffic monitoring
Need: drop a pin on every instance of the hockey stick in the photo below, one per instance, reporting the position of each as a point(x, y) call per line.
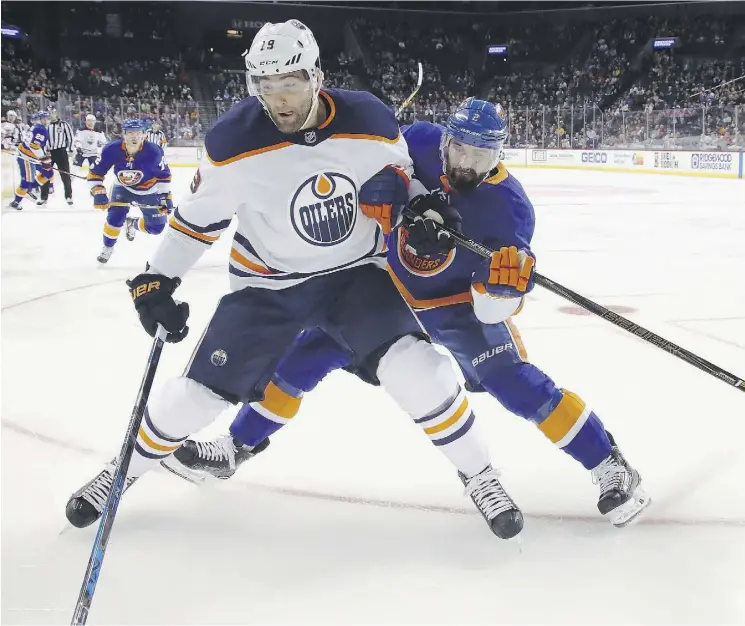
point(37, 162)
point(95, 562)
point(610, 316)
point(408, 100)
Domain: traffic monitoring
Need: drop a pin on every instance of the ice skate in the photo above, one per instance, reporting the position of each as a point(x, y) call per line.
point(69, 201)
point(40, 202)
point(105, 254)
point(86, 505)
point(16, 205)
point(219, 458)
point(621, 497)
point(499, 510)
point(131, 228)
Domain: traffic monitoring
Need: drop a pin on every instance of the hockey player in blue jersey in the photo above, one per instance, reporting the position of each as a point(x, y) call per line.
point(34, 162)
point(142, 177)
point(464, 303)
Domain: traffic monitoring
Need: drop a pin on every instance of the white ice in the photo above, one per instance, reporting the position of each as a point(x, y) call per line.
point(351, 516)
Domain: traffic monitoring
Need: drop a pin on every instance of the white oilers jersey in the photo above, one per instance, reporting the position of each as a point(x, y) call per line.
point(11, 135)
point(296, 196)
point(89, 141)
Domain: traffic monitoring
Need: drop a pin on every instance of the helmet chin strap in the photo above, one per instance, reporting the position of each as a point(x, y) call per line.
point(313, 109)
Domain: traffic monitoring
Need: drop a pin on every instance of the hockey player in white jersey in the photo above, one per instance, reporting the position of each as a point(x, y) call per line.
point(316, 179)
point(88, 143)
point(11, 131)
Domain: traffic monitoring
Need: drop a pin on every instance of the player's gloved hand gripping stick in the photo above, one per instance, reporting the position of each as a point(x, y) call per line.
point(601, 311)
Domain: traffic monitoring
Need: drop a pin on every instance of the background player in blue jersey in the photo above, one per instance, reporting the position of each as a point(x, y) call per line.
point(142, 177)
point(33, 147)
point(464, 303)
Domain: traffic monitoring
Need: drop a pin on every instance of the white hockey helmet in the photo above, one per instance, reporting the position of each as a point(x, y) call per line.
point(279, 49)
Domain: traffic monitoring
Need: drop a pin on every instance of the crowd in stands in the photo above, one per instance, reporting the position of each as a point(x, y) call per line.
point(565, 85)
point(157, 90)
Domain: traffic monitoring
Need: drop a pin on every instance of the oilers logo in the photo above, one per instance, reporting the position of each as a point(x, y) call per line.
point(419, 265)
point(324, 209)
point(129, 178)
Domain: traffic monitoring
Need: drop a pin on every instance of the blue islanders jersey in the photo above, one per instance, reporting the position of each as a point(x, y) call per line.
point(497, 213)
point(144, 173)
point(34, 145)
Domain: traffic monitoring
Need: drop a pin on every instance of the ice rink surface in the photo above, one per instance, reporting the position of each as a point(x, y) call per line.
point(351, 516)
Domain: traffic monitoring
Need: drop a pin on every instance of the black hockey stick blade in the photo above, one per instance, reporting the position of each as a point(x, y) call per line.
point(95, 562)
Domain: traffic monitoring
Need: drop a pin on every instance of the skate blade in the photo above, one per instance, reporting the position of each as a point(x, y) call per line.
point(630, 510)
point(180, 470)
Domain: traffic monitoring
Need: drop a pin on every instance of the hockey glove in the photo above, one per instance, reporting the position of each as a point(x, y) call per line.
point(166, 202)
point(152, 295)
point(507, 274)
point(100, 199)
point(423, 218)
point(383, 196)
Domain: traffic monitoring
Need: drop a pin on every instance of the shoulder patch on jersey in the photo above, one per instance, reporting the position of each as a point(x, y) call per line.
point(243, 131)
point(360, 115)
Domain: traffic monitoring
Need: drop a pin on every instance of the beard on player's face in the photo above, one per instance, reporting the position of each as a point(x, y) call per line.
point(464, 180)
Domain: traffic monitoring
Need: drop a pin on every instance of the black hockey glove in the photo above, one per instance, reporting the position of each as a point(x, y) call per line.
point(153, 298)
point(422, 218)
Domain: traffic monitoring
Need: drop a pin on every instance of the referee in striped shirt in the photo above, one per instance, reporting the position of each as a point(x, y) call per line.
point(60, 143)
point(155, 135)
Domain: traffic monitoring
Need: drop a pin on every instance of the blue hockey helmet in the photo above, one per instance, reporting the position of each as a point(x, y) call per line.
point(471, 143)
point(133, 124)
point(133, 130)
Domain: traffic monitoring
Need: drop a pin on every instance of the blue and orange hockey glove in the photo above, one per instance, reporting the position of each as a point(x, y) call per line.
point(100, 198)
point(384, 196)
point(507, 274)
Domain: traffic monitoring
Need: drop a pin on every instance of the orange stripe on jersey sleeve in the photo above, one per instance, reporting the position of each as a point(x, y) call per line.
point(188, 231)
point(238, 257)
point(26, 151)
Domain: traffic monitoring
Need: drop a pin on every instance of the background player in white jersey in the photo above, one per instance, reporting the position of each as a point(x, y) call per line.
point(304, 170)
point(88, 143)
point(11, 131)
point(156, 136)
